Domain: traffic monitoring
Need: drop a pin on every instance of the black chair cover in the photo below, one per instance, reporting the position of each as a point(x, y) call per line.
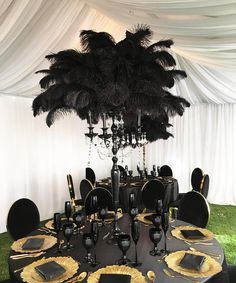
point(165, 171)
point(122, 171)
point(23, 218)
point(70, 186)
point(194, 209)
point(196, 179)
point(90, 175)
point(205, 185)
point(151, 192)
point(85, 187)
point(104, 200)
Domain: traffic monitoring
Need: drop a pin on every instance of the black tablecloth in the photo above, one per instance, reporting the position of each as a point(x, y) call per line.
point(109, 254)
point(135, 185)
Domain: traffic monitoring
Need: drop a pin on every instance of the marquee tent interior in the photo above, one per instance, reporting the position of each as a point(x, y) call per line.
point(35, 159)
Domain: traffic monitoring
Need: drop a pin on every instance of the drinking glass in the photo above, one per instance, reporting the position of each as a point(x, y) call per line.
point(57, 228)
point(131, 174)
point(133, 212)
point(165, 226)
point(102, 213)
point(131, 199)
point(68, 210)
point(173, 213)
point(87, 241)
point(135, 232)
point(95, 234)
point(79, 220)
point(68, 230)
point(155, 235)
point(158, 207)
point(123, 244)
point(156, 220)
point(94, 204)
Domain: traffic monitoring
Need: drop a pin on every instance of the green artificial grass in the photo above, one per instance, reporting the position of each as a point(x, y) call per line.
point(222, 223)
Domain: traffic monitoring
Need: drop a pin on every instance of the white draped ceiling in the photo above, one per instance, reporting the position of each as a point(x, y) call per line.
point(204, 32)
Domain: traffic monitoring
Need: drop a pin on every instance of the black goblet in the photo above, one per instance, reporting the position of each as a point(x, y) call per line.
point(131, 199)
point(102, 213)
point(131, 174)
point(156, 220)
point(123, 244)
point(68, 229)
point(94, 204)
point(133, 212)
point(155, 235)
point(165, 226)
point(87, 241)
point(68, 210)
point(158, 207)
point(135, 232)
point(57, 228)
point(79, 220)
point(95, 234)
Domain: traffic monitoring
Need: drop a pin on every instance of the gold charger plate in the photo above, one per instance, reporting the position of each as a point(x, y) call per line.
point(136, 276)
point(49, 241)
point(49, 224)
point(30, 275)
point(119, 214)
point(209, 267)
point(141, 218)
point(176, 232)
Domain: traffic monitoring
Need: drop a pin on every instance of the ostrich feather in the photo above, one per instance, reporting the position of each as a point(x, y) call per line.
point(57, 113)
point(160, 44)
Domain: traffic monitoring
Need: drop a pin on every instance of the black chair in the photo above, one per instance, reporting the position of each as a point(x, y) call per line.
point(85, 187)
point(194, 209)
point(123, 173)
point(204, 188)
point(23, 218)
point(165, 171)
point(196, 179)
point(104, 199)
point(152, 191)
point(90, 175)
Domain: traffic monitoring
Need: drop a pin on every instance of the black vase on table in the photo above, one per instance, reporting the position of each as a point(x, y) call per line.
point(155, 235)
point(124, 244)
point(135, 232)
point(165, 226)
point(57, 228)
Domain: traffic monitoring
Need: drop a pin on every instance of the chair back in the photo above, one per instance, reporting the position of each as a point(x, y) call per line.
point(85, 187)
point(152, 191)
point(70, 186)
point(90, 175)
point(204, 188)
point(23, 218)
point(194, 209)
point(104, 198)
point(165, 171)
point(196, 179)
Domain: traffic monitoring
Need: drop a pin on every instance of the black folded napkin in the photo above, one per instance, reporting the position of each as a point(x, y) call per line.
point(115, 278)
point(33, 244)
point(50, 270)
point(190, 261)
point(192, 234)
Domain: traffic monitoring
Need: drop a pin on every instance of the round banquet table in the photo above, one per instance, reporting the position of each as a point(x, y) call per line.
point(108, 254)
point(135, 185)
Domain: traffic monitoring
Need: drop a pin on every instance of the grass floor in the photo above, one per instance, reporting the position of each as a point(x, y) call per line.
point(222, 223)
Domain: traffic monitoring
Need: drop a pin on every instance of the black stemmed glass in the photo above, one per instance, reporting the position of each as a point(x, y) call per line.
point(155, 235)
point(135, 232)
point(131, 199)
point(95, 234)
point(68, 229)
point(131, 174)
point(102, 213)
point(123, 244)
point(133, 210)
point(156, 220)
point(68, 210)
point(87, 241)
point(158, 207)
point(79, 220)
point(165, 226)
point(94, 204)
point(57, 228)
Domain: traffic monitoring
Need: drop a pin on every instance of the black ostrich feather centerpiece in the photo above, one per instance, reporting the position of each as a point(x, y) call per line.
point(109, 77)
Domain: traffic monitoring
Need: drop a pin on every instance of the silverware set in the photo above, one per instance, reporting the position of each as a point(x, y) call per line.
point(20, 256)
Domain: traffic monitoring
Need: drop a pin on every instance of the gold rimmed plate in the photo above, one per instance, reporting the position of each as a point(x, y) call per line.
point(136, 276)
point(209, 267)
point(176, 232)
point(141, 218)
point(49, 224)
point(108, 219)
point(49, 241)
point(30, 275)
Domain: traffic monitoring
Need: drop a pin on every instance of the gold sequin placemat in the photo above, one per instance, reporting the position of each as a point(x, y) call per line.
point(136, 276)
point(209, 267)
point(49, 241)
point(30, 275)
point(176, 232)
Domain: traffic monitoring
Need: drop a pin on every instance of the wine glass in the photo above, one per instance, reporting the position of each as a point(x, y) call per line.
point(173, 213)
point(135, 232)
point(123, 244)
point(68, 210)
point(165, 226)
point(68, 229)
point(158, 206)
point(156, 220)
point(95, 234)
point(133, 212)
point(131, 174)
point(131, 199)
point(94, 204)
point(79, 220)
point(57, 228)
point(87, 241)
point(102, 213)
point(141, 174)
point(155, 235)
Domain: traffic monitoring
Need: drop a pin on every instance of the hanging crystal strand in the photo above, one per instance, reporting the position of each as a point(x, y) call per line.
point(89, 154)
